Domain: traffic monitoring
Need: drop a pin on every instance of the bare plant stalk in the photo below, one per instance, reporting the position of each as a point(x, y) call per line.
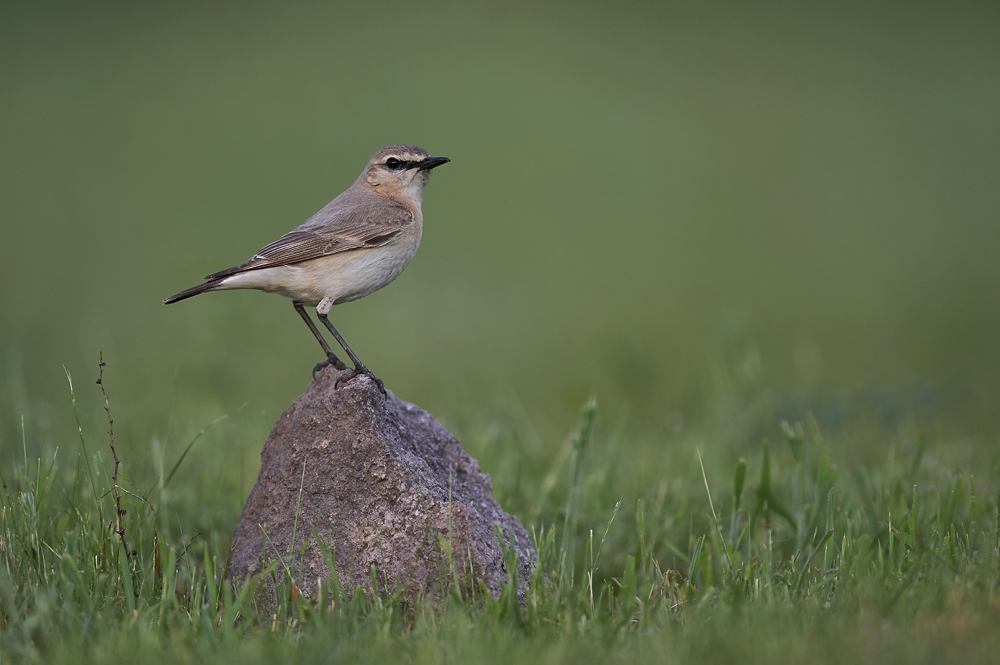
point(186, 548)
point(119, 511)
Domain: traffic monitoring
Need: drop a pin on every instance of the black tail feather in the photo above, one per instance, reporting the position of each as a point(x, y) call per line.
point(193, 291)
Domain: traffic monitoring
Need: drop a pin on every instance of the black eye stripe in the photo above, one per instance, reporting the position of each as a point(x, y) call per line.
point(396, 164)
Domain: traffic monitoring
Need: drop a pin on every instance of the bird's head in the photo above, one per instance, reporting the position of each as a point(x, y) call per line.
point(401, 172)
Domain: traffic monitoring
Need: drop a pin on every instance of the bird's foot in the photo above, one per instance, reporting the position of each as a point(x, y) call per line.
point(360, 369)
point(331, 359)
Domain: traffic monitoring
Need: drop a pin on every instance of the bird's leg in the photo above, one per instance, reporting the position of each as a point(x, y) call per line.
point(359, 367)
point(331, 357)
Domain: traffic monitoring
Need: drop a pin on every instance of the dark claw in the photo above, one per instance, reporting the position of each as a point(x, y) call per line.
point(332, 359)
point(361, 369)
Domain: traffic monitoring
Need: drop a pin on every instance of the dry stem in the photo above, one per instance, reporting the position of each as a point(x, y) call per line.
point(119, 511)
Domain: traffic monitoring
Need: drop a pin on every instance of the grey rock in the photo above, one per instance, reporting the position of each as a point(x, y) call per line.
point(384, 485)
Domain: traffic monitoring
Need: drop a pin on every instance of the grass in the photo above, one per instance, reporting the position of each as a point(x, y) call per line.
point(787, 558)
point(714, 218)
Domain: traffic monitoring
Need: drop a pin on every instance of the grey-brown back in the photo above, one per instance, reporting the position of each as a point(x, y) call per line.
point(354, 220)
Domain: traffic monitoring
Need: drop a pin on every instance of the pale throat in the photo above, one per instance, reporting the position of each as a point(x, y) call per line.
point(409, 193)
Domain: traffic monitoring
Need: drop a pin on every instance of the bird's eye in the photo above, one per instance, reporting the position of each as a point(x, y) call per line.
point(393, 163)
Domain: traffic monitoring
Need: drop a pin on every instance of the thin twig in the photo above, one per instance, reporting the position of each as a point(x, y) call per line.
point(186, 548)
point(119, 511)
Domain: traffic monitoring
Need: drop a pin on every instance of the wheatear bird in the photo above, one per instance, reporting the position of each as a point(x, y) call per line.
point(355, 245)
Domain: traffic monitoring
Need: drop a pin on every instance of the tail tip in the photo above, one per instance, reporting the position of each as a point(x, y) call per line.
point(193, 291)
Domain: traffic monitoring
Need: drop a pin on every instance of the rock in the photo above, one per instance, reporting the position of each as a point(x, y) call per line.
point(383, 483)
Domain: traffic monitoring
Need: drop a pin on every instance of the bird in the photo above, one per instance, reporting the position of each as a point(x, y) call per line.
point(356, 244)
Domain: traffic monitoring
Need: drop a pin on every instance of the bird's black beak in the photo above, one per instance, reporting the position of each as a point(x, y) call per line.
point(432, 162)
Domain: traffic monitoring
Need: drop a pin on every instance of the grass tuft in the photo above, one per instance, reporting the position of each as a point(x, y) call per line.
point(816, 558)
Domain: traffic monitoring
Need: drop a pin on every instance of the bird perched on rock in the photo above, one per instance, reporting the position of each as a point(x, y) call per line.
point(355, 245)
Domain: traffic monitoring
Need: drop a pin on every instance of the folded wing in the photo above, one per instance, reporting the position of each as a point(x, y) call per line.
point(327, 232)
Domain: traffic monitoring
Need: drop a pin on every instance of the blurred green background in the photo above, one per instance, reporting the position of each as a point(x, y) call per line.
point(805, 196)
